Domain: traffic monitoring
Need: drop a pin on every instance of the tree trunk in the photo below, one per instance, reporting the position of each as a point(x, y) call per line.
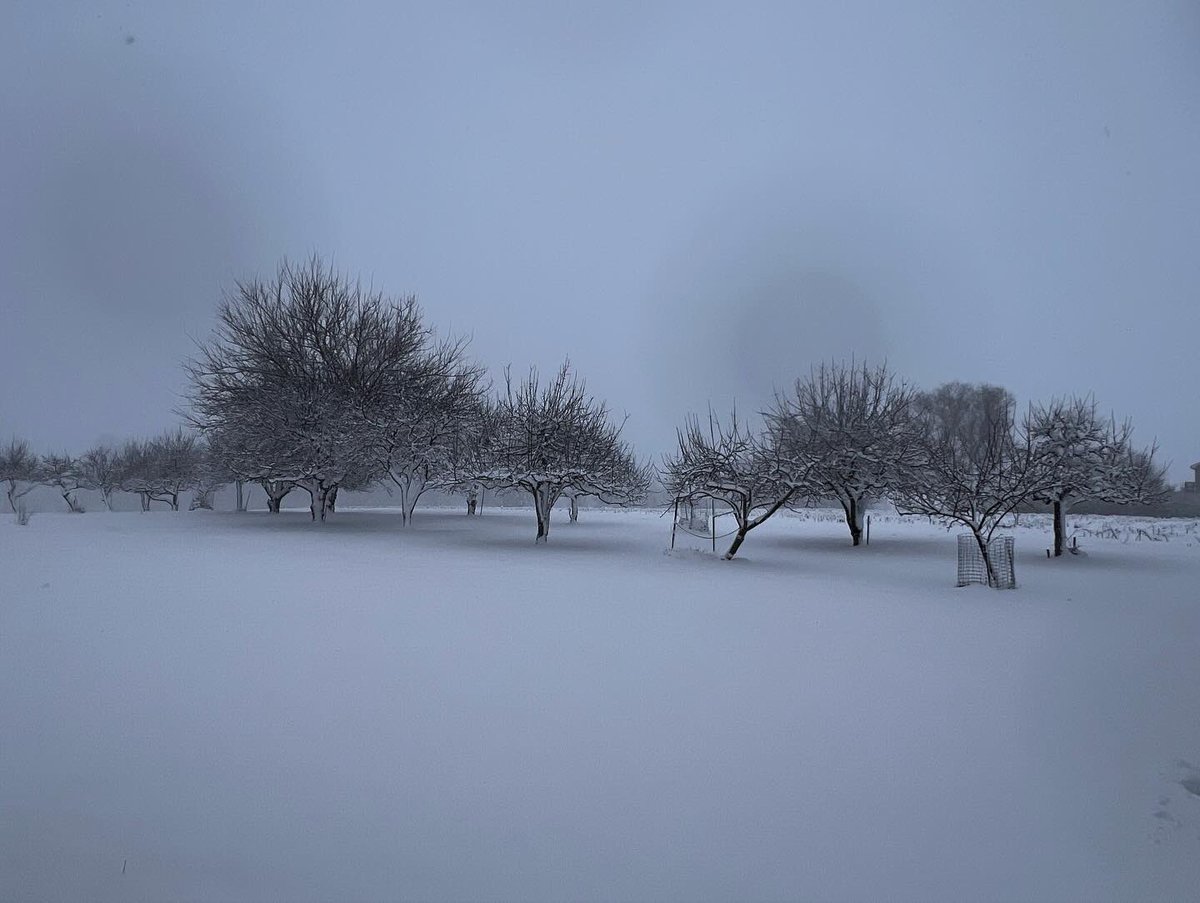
point(543, 501)
point(174, 501)
point(241, 495)
point(332, 501)
point(106, 494)
point(738, 539)
point(318, 494)
point(404, 508)
point(326, 492)
point(276, 490)
point(574, 509)
point(992, 581)
point(855, 509)
point(1060, 527)
point(145, 500)
point(313, 488)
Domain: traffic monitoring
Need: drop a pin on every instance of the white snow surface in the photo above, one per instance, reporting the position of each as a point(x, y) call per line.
point(213, 706)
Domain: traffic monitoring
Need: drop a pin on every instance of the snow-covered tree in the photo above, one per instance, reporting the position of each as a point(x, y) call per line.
point(973, 465)
point(62, 472)
point(136, 470)
point(99, 467)
point(854, 424)
point(424, 424)
point(211, 476)
point(1089, 457)
point(750, 475)
point(162, 468)
point(300, 373)
point(19, 470)
point(553, 439)
point(178, 465)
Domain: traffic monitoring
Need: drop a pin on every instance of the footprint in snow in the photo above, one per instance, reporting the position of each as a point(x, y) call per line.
point(1185, 817)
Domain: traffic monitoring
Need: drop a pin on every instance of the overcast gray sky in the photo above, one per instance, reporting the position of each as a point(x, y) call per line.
point(692, 201)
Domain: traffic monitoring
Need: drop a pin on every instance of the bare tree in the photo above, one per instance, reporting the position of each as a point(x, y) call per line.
point(298, 375)
point(178, 458)
point(425, 422)
point(734, 468)
point(100, 469)
point(974, 466)
point(855, 424)
point(211, 477)
point(63, 473)
point(19, 469)
point(552, 439)
point(1088, 457)
point(135, 470)
point(160, 469)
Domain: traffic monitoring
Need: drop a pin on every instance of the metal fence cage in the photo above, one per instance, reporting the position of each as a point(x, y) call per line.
point(973, 569)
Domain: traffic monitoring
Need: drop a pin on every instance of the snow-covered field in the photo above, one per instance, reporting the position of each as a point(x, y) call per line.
point(200, 706)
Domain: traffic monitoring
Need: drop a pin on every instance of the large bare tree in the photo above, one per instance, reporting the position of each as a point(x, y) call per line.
point(299, 374)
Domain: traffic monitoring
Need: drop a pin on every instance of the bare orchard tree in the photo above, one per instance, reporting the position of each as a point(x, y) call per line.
point(177, 460)
point(135, 470)
point(62, 472)
point(734, 468)
point(422, 426)
point(855, 424)
point(974, 465)
point(1132, 476)
point(211, 476)
point(1075, 443)
point(1089, 457)
point(162, 468)
point(99, 467)
point(298, 375)
point(553, 439)
point(19, 471)
point(243, 463)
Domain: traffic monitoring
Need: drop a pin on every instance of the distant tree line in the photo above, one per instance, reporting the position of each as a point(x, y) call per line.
point(313, 382)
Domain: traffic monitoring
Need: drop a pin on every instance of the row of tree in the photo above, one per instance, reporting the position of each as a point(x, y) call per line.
point(958, 454)
point(313, 382)
point(158, 469)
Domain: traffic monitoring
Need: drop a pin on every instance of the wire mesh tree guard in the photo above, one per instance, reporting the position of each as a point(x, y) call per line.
point(973, 569)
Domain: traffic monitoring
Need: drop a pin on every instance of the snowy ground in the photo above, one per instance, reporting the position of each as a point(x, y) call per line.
point(240, 707)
